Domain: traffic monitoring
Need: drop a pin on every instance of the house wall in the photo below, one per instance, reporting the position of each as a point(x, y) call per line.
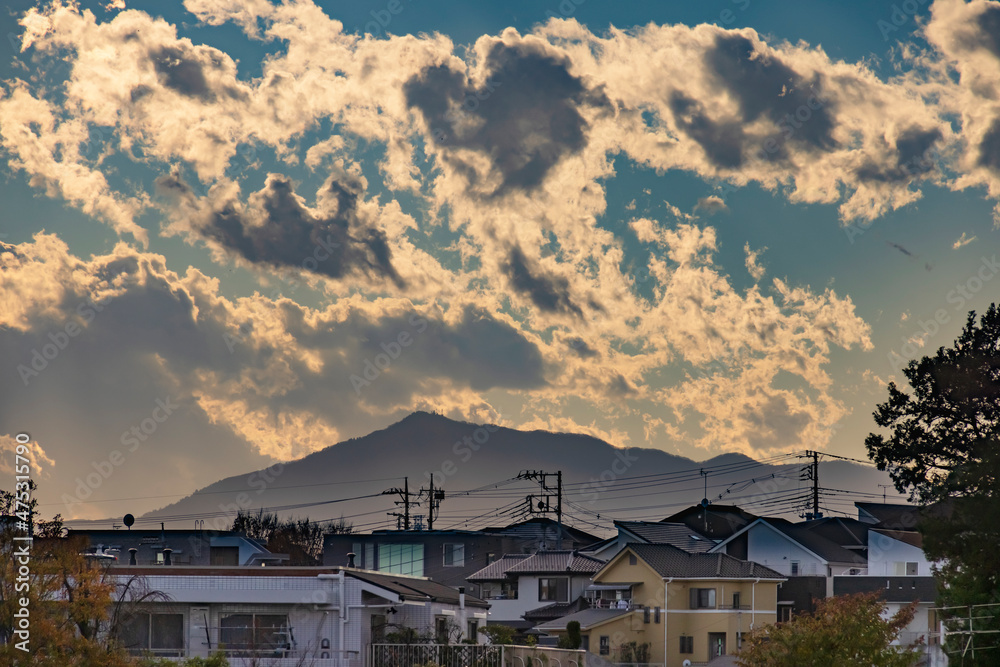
point(772, 549)
point(527, 596)
point(679, 619)
point(885, 554)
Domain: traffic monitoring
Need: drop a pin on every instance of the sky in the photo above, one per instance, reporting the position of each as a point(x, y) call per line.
point(237, 232)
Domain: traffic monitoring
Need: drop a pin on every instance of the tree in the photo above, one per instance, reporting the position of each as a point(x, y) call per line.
point(844, 630)
point(943, 447)
point(499, 634)
point(301, 539)
point(69, 598)
point(573, 639)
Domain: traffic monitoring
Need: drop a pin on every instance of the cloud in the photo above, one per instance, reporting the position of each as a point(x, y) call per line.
point(753, 265)
point(549, 293)
point(522, 113)
point(711, 204)
point(276, 228)
point(962, 241)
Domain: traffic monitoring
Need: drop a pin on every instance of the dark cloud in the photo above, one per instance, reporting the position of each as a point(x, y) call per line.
point(989, 28)
point(182, 73)
point(765, 86)
point(722, 141)
point(989, 148)
point(549, 293)
point(581, 347)
point(775, 423)
point(525, 117)
point(333, 241)
point(910, 159)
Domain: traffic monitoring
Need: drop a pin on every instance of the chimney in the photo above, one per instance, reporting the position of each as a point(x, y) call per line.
point(350, 558)
point(461, 597)
point(131, 555)
point(166, 555)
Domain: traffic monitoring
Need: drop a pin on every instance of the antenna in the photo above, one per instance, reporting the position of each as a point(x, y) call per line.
point(884, 487)
point(128, 520)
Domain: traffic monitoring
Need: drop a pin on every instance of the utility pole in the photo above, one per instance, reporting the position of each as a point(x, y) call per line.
point(403, 493)
point(546, 503)
point(434, 498)
point(813, 474)
point(884, 487)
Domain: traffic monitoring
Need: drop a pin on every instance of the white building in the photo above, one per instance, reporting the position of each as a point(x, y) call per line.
point(325, 617)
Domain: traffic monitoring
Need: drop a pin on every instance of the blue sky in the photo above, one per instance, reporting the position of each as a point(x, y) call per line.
point(698, 227)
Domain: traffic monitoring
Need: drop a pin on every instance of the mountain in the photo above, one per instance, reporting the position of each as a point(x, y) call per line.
point(348, 479)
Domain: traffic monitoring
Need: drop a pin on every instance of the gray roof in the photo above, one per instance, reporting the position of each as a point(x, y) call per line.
point(823, 547)
point(669, 561)
point(659, 532)
point(497, 570)
point(414, 588)
point(555, 562)
point(848, 533)
point(586, 618)
point(543, 562)
point(887, 515)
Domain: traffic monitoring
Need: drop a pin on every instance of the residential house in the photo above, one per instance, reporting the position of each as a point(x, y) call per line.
point(681, 606)
point(524, 590)
point(324, 617)
point(716, 522)
point(899, 571)
point(801, 553)
point(448, 556)
point(678, 534)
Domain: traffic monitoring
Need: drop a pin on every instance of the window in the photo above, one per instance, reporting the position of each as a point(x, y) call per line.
point(254, 632)
point(160, 634)
point(454, 555)
point(224, 555)
point(553, 590)
point(687, 644)
point(605, 645)
point(703, 598)
point(401, 559)
point(736, 600)
point(632, 560)
point(656, 615)
point(911, 569)
point(490, 557)
point(441, 629)
point(472, 630)
point(784, 613)
point(795, 568)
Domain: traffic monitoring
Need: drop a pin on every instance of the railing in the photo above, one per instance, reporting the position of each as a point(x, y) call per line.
point(472, 655)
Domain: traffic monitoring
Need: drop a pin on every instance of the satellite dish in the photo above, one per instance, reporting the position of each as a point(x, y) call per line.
point(128, 520)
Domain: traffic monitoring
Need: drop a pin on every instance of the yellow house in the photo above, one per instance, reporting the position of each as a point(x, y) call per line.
point(679, 606)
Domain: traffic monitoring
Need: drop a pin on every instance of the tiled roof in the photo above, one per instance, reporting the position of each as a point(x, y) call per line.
point(826, 549)
point(556, 610)
point(716, 521)
point(911, 537)
point(414, 588)
point(497, 570)
point(840, 530)
point(586, 618)
point(669, 561)
point(677, 534)
point(545, 562)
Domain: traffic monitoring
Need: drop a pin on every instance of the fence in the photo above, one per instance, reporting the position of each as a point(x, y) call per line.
point(472, 655)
